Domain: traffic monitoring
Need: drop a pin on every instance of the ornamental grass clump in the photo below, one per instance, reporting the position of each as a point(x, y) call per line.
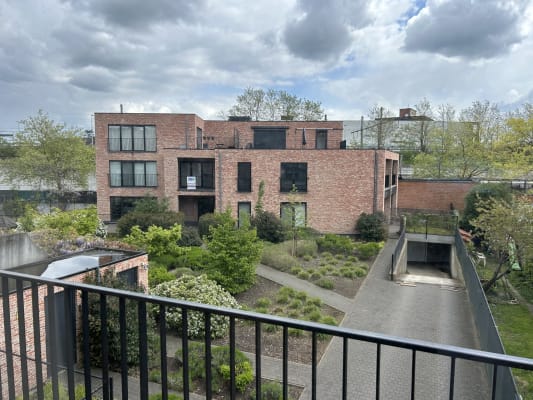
point(199, 289)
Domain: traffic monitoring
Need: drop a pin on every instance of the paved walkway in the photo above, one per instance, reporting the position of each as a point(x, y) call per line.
point(419, 311)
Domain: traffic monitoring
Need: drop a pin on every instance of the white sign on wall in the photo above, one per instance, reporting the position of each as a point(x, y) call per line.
point(191, 183)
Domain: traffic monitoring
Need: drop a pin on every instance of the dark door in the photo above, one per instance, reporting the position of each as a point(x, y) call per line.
point(63, 331)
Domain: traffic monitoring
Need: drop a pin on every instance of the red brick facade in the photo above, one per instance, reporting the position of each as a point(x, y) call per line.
point(433, 194)
point(140, 262)
point(341, 184)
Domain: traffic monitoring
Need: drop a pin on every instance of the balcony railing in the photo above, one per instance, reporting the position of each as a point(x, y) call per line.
point(23, 351)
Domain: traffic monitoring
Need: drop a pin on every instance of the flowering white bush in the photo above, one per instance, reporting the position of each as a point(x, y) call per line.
point(198, 289)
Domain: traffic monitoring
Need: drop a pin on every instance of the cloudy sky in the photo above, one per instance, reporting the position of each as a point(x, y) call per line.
point(72, 58)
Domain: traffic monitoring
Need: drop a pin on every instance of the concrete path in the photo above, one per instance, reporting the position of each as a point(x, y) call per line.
point(419, 311)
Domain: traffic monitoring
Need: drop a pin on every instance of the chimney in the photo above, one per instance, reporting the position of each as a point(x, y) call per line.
point(121, 109)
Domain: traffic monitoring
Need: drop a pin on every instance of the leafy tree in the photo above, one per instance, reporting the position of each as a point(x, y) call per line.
point(50, 155)
point(233, 255)
point(208, 220)
point(149, 204)
point(272, 104)
point(507, 231)
point(371, 227)
point(292, 220)
point(480, 194)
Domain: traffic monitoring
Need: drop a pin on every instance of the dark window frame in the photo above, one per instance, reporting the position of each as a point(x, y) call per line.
point(285, 205)
point(320, 132)
point(121, 139)
point(249, 211)
point(270, 137)
point(123, 204)
point(207, 172)
point(132, 182)
point(244, 177)
point(293, 173)
point(130, 276)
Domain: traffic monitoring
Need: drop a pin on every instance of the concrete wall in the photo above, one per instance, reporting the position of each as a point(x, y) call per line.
point(18, 249)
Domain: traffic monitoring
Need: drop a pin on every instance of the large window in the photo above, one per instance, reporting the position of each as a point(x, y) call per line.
point(132, 173)
point(203, 171)
point(132, 138)
point(294, 214)
point(270, 137)
point(293, 174)
point(121, 206)
point(321, 139)
point(244, 177)
point(244, 210)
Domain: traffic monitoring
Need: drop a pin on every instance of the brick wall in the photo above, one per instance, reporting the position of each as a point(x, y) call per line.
point(14, 315)
point(433, 194)
point(340, 183)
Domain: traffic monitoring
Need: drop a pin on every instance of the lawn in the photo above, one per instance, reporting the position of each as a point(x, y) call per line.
point(515, 325)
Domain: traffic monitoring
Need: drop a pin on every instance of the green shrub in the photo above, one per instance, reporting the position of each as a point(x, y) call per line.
point(303, 275)
point(294, 314)
point(158, 274)
point(198, 289)
point(170, 261)
point(287, 290)
point(316, 275)
point(295, 332)
point(275, 258)
point(359, 272)
point(178, 272)
point(220, 360)
point(329, 320)
point(262, 310)
point(269, 227)
point(155, 240)
point(347, 272)
point(269, 391)
point(296, 304)
point(314, 316)
point(307, 257)
point(331, 243)
point(352, 258)
point(325, 254)
point(145, 219)
point(108, 279)
point(306, 248)
point(170, 396)
point(190, 237)
point(80, 222)
point(195, 258)
point(371, 227)
point(315, 301)
point(296, 270)
point(309, 308)
point(368, 250)
point(263, 302)
point(211, 220)
point(325, 283)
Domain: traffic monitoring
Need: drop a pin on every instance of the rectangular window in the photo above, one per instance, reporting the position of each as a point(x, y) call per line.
point(129, 277)
point(270, 137)
point(294, 214)
point(244, 209)
point(122, 205)
point(132, 173)
point(293, 174)
point(244, 177)
point(131, 138)
point(203, 170)
point(321, 139)
point(199, 138)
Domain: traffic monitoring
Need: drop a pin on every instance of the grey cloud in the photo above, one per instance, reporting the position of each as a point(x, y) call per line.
point(323, 32)
point(465, 29)
point(93, 79)
point(85, 46)
point(141, 15)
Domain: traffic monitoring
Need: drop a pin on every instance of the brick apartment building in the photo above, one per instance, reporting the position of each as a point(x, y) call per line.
point(204, 166)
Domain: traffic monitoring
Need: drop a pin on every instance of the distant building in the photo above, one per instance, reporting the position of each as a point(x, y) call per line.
point(202, 166)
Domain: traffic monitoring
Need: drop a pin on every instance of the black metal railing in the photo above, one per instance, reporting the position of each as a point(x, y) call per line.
point(431, 224)
point(22, 307)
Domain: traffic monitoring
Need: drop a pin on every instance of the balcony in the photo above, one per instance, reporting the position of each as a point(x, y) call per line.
point(27, 367)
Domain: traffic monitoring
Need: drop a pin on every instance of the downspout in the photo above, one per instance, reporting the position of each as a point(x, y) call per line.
point(375, 205)
point(219, 167)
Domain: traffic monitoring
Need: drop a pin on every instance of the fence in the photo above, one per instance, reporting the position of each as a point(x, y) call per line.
point(433, 224)
point(14, 382)
point(489, 338)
